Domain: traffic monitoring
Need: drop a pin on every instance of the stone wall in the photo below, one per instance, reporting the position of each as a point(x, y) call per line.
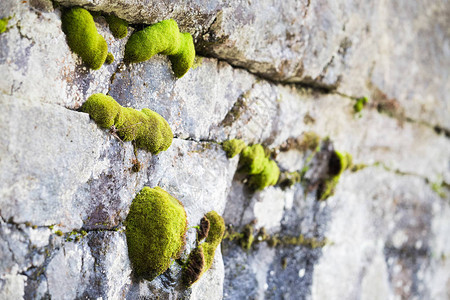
point(268, 72)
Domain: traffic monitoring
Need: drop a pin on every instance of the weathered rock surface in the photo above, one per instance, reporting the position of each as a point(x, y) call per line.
point(66, 185)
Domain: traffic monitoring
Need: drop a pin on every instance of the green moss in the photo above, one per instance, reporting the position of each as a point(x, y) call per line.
point(252, 159)
point(109, 58)
point(183, 60)
point(4, 24)
point(164, 38)
point(248, 237)
point(147, 128)
point(360, 103)
point(337, 164)
point(118, 27)
point(202, 257)
point(268, 176)
point(58, 232)
point(233, 147)
point(215, 234)
point(83, 38)
point(155, 229)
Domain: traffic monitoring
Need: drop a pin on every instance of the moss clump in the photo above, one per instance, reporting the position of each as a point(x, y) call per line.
point(155, 229)
point(202, 257)
point(59, 233)
point(4, 24)
point(83, 38)
point(164, 38)
point(337, 164)
point(252, 159)
point(268, 176)
point(360, 103)
point(248, 237)
point(147, 128)
point(118, 27)
point(255, 162)
point(109, 58)
point(184, 59)
point(233, 147)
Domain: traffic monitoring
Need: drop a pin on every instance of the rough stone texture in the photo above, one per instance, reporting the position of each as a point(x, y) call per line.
point(387, 223)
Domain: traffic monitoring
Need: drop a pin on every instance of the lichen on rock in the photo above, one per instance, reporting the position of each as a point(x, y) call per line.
point(83, 38)
point(164, 38)
point(147, 128)
point(155, 229)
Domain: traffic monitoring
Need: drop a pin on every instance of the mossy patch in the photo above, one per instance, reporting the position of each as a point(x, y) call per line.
point(360, 103)
point(155, 229)
point(118, 27)
point(109, 58)
point(249, 237)
point(83, 38)
point(262, 171)
point(4, 24)
point(267, 177)
point(163, 38)
point(233, 147)
point(146, 128)
point(183, 60)
point(338, 162)
point(202, 257)
point(252, 159)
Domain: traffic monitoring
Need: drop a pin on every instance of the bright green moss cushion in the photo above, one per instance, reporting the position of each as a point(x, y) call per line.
point(83, 38)
point(155, 229)
point(147, 128)
point(164, 38)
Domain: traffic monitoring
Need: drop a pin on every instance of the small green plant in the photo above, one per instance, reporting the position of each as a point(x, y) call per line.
point(146, 128)
point(360, 103)
point(118, 27)
point(155, 230)
point(202, 257)
point(233, 147)
point(83, 38)
point(4, 24)
point(163, 38)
